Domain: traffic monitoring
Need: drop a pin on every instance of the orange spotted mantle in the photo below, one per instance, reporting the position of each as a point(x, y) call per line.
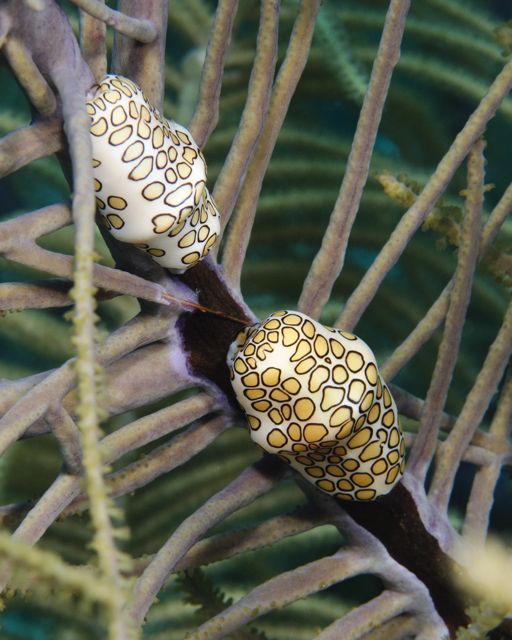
point(149, 177)
point(314, 396)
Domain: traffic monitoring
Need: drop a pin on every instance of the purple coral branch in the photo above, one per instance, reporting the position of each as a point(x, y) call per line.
point(251, 483)
point(228, 545)
point(143, 63)
point(394, 247)
point(93, 43)
point(206, 114)
point(480, 502)
point(52, 388)
point(284, 88)
point(477, 402)
point(30, 143)
point(329, 260)
point(138, 29)
point(229, 181)
point(285, 588)
point(159, 461)
point(369, 616)
point(425, 443)
point(437, 312)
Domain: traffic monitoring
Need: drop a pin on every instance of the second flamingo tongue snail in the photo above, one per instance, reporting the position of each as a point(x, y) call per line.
point(314, 396)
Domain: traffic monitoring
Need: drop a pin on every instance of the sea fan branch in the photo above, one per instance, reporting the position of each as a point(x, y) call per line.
point(93, 43)
point(398, 240)
point(159, 461)
point(486, 384)
point(143, 62)
point(30, 143)
point(139, 29)
point(229, 181)
point(284, 589)
point(460, 294)
point(35, 86)
point(288, 77)
point(329, 260)
point(227, 545)
point(371, 615)
point(480, 500)
point(253, 482)
point(206, 114)
point(435, 315)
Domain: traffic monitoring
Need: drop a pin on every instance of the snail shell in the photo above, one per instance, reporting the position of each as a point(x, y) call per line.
point(149, 177)
point(314, 396)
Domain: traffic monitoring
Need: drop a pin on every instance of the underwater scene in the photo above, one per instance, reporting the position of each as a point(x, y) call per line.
point(255, 319)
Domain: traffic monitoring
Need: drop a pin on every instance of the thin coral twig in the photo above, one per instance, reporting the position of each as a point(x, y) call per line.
point(34, 403)
point(229, 181)
point(66, 487)
point(159, 461)
point(167, 457)
point(390, 253)
point(105, 278)
point(480, 502)
point(477, 402)
point(227, 545)
point(28, 75)
point(154, 426)
point(478, 455)
point(456, 39)
point(48, 508)
point(143, 63)
point(371, 615)
point(411, 406)
point(424, 446)
point(455, 80)
point(42, 295)
point(435, 315)
point(251, 483)
point(93, 43)
point(288, 77)
point(141, 30)
point(30, 143)
point(496, 218)
point(330, 258)
point(66, 431)
point(206, 114)
point(285, 588)
point(76, 126)
point(33, 225)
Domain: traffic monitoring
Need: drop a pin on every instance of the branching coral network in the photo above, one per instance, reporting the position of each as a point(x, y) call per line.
point(164, 369)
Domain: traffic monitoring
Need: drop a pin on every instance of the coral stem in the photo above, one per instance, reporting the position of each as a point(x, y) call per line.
point(206, 113)
point(142, 30)
point(425, 443)
point(253, 482)
point(330, 258)
point(435, 315)
point(229, 182)
point(289, 74)
point(390, 253)
point(93, 43)
point(478, 399)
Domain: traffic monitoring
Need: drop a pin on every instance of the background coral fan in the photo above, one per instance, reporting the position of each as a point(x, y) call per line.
point(127, 470)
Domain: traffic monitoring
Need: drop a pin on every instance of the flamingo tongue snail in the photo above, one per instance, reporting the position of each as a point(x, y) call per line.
point(149, 177)
point(314, 396)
